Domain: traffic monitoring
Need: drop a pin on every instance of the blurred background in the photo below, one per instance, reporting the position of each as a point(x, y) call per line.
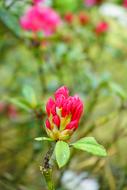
point(45, 44)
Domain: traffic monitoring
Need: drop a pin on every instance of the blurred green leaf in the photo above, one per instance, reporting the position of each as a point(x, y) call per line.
point(66, 5)
point(90, 145)
point(30, 95)
point(20, 103)
point(118, 90)
point(62, 153)
point(43, 139)
point(10, 21)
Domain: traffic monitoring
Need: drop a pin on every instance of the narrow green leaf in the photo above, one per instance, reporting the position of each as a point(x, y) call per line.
point(90, 145)
point(30, 95)
point(62, 153)
point(43, 139)
point(20, 103)
point(118, 90)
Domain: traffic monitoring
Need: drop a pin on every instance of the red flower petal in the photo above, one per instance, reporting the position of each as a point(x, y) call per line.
point(48, 124)
point(62, 92)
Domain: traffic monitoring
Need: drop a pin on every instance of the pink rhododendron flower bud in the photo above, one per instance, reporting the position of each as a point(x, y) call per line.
point(101, 28)
point(125, 3)
point(40, 19)
point(64, 113)
point(62, 92)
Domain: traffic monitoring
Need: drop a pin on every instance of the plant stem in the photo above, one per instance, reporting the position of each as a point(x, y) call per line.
point(48, 177)
point(42, 78)
point(39, 56)
point(46, 170)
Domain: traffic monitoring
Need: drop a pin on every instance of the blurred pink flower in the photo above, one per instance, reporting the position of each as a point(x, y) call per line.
point(40, 19)
point(90, 3)
point(125, 3)
point(12, 111)
point(37, 1)
point(69, 17)
point(101, 27)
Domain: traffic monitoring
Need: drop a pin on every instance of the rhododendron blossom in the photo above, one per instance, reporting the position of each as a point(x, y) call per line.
point(40, 19)
point(125, 3)
point(101, 27)
point(64, 113)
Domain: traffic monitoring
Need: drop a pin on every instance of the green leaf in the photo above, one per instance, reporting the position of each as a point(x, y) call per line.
point(20, 103)
point(30, 95)
point(10, 21)
point(65, 6)
point(43, 139)
point(118, 90)
point(62, 153)
point(90, 145)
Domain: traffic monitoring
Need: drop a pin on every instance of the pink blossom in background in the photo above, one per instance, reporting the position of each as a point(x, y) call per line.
point(90, 3)
point(101, 27)
point(69, 17)
point(12, 111)
point(125, 3)
point(40, 19)
point(38, 1)
point(8, 110)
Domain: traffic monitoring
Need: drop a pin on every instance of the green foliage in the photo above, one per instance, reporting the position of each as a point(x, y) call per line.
point(30, 96)
point(62, 153)
point(89, 144)
point(21, 103)
point(66, 5)
point(11, 22)
point(118, 90)
point(28, 102)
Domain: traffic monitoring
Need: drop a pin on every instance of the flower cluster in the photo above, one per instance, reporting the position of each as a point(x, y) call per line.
point(40, 19)
point(81, 17)
point(64, 113)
